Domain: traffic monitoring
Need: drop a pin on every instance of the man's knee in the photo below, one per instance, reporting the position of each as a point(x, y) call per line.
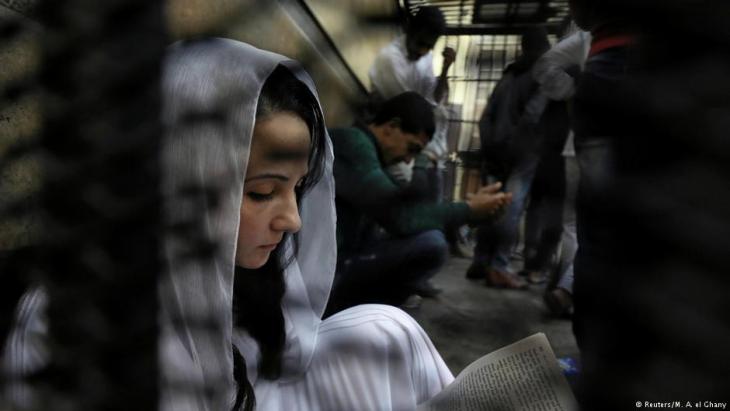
point(432, 247)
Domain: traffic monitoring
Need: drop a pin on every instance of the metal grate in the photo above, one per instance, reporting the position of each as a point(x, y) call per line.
point(494, 16)
point(480, 62)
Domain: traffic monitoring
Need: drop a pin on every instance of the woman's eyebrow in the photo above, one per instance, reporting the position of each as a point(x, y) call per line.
point(288, 154)
point(268, 175)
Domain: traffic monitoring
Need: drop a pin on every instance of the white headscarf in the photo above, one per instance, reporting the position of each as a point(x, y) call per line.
point(210, 92)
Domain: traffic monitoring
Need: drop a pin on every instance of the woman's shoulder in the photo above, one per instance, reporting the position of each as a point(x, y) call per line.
point(369, 317)
point(382, 336)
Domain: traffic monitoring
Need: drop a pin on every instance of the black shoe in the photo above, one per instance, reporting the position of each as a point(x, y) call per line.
point(476, 271)
point(559, 302)
point(426, 289)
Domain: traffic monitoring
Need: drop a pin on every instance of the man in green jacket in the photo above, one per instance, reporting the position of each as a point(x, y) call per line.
point(389, 242)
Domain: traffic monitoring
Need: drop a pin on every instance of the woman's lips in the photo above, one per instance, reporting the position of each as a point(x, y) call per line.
point(268, 247)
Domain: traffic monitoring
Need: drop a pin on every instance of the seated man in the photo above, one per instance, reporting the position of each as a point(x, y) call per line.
point(389, 242)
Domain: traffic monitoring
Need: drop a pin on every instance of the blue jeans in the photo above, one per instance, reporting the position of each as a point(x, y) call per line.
point(387, 271)
point(495, 241)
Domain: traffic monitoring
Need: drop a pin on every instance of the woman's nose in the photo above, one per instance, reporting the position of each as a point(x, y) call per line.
point(287, 219)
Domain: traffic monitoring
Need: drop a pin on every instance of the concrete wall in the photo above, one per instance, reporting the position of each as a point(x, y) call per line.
point(280, 26)
point(19, 123)
point(349, 23)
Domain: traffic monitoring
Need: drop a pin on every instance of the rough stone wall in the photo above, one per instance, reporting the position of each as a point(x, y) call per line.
point(19, 121)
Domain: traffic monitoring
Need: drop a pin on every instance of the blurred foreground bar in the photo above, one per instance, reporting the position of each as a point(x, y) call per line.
point(100, 241)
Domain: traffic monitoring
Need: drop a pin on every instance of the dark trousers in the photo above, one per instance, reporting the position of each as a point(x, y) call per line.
point(603, 321)
point(651, 274)
point(388, 271)
point(544, 216)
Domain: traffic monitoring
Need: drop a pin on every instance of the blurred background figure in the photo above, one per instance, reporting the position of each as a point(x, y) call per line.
point(557, 72)
point(511, 131)
point(651, 280)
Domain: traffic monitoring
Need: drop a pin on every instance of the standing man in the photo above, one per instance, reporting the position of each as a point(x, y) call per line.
point(510, 131)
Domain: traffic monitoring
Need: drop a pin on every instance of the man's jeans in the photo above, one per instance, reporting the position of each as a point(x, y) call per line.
point(495, 241)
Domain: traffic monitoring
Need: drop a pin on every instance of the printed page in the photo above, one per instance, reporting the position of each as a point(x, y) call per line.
point(524, 376)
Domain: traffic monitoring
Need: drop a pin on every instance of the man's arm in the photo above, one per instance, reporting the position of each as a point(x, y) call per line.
point(550, 69)
point(442, 84)
point(362, 182)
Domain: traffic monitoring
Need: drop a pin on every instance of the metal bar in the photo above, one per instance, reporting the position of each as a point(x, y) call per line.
point(495, 29)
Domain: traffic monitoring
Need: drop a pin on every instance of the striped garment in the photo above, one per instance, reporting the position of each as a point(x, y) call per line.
point(25, 351)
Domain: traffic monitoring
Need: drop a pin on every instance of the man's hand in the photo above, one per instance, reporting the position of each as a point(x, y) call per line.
point(449, 55)
point(488, 200)
point(442, 85)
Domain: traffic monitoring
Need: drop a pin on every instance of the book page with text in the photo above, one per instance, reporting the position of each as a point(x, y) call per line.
point(523, 376)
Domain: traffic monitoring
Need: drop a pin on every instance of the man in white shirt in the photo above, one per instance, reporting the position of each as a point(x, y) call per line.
point(406, 64)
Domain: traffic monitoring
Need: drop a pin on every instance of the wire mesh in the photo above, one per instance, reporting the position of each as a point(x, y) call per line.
point(79, 199)
point(95, 252)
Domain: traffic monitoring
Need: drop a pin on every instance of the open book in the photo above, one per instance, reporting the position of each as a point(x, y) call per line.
point(523, 376)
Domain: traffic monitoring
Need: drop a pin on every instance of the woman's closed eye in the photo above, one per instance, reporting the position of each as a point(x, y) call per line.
point(260, 196)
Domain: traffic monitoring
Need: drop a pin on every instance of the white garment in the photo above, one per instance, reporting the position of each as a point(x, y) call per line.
point(366, 356)
point(549, 69)
point(549, 72)
point(25, 349)
point(393, 73)
point(369, 357)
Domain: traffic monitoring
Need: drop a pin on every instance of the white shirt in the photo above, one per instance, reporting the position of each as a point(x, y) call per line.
point(393, 73)
point(549, 70)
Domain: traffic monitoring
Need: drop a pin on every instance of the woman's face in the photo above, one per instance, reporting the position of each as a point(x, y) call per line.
point(277, 164)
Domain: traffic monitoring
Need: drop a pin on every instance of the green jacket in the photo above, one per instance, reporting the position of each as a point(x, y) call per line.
point(366, 195)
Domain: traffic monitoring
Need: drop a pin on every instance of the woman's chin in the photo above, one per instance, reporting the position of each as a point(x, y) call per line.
point(254, 262)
